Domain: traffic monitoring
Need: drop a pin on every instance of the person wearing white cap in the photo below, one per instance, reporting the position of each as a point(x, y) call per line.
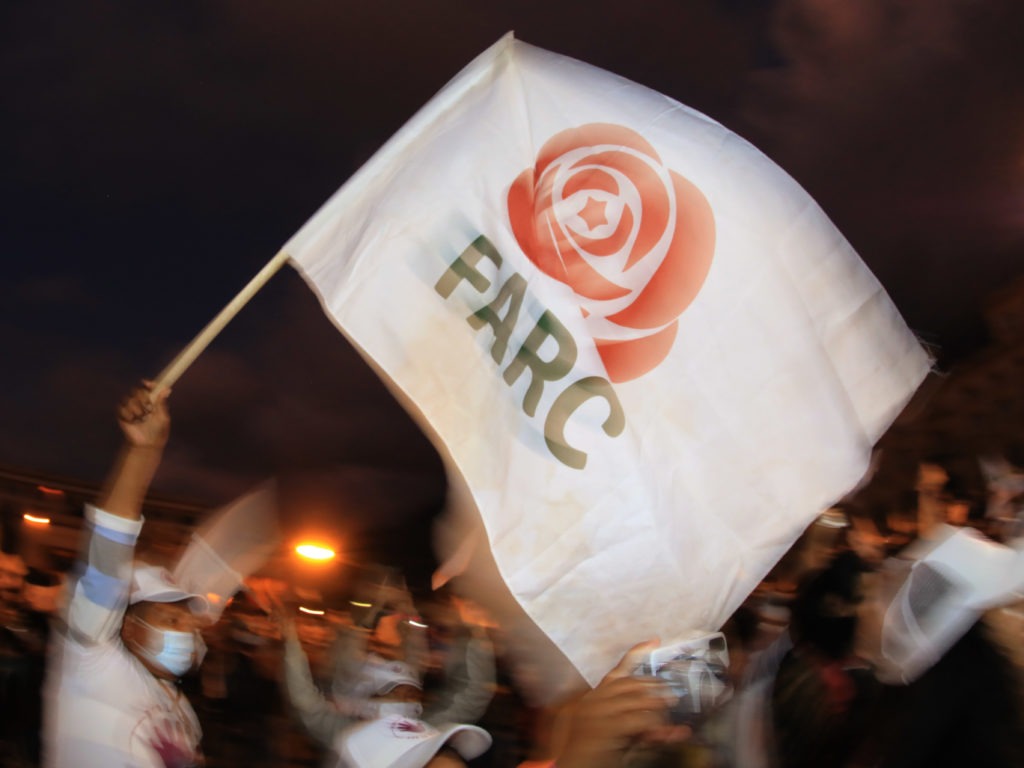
point(127, 633)
point(395, 741)
point(386, 730)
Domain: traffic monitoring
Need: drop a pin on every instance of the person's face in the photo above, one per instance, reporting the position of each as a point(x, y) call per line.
point(868, 544)
point(957, 512)
point(403, 693)
point(175, 617)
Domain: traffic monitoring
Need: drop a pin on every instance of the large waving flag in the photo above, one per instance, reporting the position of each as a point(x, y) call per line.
point(647, 352)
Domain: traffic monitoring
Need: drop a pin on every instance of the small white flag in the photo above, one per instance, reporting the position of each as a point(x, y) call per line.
point(230, 545)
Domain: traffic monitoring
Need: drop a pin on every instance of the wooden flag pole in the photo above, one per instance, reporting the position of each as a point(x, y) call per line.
point(187, 356)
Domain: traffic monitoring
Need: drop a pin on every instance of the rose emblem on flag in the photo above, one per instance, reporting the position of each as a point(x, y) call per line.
point(601, 213)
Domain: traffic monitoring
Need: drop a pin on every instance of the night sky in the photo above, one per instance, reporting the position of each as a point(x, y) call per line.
point(156, 155)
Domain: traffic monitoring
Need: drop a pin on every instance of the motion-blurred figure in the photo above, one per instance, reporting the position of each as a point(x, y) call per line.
point(822, 693)
point(128, 633)
point(922, 630)
point(23, 631)
point(460, 669)
point(380, 722)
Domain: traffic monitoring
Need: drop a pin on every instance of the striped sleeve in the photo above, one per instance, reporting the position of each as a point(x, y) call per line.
point(99, 594)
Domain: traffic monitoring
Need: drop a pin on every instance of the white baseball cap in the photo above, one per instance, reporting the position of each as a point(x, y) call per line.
point(156, 585)
point(379, 676)
point(402, 742)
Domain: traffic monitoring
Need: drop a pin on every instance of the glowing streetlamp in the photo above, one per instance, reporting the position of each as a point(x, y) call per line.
point(316, 552)
point(36, 519)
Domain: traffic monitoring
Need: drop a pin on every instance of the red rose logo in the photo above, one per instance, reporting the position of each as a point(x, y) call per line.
point(633, 239)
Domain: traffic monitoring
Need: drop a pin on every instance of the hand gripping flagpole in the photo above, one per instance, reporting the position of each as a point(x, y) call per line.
point(187, 356)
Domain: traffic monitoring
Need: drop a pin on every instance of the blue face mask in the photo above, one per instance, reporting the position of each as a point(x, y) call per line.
point(177, 651)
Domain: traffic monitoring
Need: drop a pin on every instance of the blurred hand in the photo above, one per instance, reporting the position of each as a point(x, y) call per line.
point(144, 419)
point(619, 712)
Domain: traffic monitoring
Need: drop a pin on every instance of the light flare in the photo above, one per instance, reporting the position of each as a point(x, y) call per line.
point(317, 552)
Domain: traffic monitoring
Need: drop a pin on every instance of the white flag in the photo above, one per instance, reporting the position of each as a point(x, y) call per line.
point(647, 351)
point(232, 543)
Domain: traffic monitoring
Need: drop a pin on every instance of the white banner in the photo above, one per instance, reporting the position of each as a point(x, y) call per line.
point(646, 349)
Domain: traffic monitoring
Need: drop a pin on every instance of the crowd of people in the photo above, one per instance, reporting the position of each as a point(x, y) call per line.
point(860, 650)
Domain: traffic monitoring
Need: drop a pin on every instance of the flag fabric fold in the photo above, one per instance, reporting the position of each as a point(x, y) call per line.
point(644, 347)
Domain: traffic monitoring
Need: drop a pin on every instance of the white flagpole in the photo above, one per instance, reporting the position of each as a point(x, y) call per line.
point(187, 356)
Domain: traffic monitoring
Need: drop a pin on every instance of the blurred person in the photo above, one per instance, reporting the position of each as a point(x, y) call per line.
point(822, 692)
point(248, 687)
point(822, 539)
point(1004, 504)
point(456, 657)
point(128, 632)
point(21, 648)
point(931, 502)
point(958, 511)
point(964, 710)
point(382, 722)
point(12, 579)
point(384, 626)
point(954, 698)
point(460, 667)
point(723, 732)
point(866, 541)
point(23, 643)
point(43, 592)
point(804, 699)
point(509, 716)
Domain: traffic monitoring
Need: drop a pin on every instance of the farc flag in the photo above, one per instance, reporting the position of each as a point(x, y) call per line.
point(644, 348)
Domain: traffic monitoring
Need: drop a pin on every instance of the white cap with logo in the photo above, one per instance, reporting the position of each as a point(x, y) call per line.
point(402, 742)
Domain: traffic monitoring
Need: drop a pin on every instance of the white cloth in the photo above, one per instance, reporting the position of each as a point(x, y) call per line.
point(644, 348)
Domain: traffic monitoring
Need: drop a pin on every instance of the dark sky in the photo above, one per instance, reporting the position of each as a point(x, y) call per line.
point(156, 155)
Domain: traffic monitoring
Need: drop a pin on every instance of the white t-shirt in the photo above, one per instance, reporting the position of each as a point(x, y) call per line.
point(104, 709)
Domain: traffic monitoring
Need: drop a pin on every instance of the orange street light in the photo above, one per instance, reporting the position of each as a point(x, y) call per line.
point(36, 519)
point(315, 552)
point(311, 611)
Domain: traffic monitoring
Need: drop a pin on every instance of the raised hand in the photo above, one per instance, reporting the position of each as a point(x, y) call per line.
point(144, 418)
point(620, 711)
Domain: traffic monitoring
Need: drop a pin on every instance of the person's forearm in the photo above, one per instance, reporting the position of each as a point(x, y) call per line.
point(129, 480)
point(319, 718)
point(469, 686)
